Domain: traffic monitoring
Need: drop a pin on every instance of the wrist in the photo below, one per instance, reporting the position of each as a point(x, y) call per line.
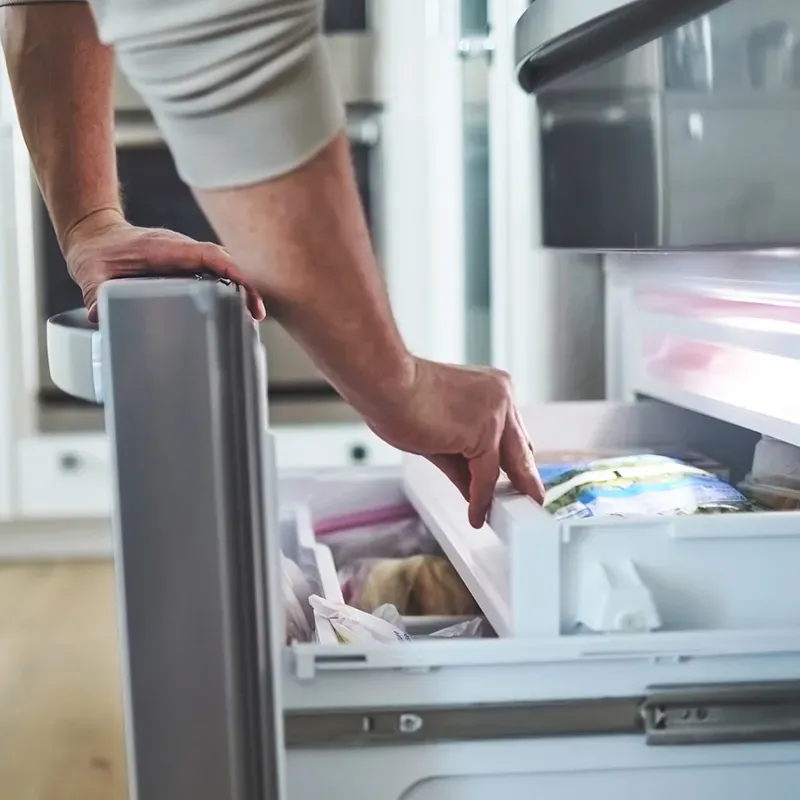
point(391, 387)
point(90, 225)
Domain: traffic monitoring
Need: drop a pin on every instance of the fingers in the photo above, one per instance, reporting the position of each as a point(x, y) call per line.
point(456, 469)
point(90, 301)
point(484, 471)
point(166, 250)
point(218, 260)
point(517, 458)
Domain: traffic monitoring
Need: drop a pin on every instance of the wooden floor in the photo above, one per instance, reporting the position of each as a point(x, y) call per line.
point(60, 703)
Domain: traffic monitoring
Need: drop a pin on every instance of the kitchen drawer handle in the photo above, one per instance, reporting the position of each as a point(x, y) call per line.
point(359, 453)
point(70, 462)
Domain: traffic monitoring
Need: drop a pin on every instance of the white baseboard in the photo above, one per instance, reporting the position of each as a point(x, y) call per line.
point(55, 541)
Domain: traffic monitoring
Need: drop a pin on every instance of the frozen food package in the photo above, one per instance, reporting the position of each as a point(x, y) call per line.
point(776, 463)
point(775, 492)
point(637, 485)
point(390, 614)
point(470, 629)
point(367, 536)
point(419, 586)
point(671, 451)
point(353, 626)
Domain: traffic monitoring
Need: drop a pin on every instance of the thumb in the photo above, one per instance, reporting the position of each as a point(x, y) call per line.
point(90, 302)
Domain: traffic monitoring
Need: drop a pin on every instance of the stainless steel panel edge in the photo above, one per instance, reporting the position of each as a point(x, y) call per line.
point(554, 39)
point(184, 414)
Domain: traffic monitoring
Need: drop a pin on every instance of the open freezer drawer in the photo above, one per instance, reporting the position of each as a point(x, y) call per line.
point(218, 708)
point(535, 575)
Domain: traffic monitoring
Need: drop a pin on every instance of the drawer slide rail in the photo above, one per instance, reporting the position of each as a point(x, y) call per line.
point(665, 716)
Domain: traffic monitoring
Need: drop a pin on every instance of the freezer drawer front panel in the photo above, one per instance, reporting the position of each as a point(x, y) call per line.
point(601, 768)
point(185, 423)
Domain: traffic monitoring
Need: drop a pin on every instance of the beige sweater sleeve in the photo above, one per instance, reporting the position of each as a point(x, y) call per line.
point(241, 89)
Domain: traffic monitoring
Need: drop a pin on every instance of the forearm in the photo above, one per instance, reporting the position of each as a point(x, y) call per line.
point(62, 81)
point(303, 241)
point(247, 104)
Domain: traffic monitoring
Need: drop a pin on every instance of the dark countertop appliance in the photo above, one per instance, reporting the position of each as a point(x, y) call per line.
point(683, 142)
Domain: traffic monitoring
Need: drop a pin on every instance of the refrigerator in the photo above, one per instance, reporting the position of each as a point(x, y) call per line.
point(654, 656)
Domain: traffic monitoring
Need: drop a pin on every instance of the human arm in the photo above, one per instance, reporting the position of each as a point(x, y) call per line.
point(246, 103)
point(296, 228)
point(61, 77)
point(62, 81)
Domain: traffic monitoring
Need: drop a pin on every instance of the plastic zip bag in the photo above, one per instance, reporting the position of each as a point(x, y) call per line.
point(419, 586)
point(388, 538)
point(470, 629)
point(636, 485)
point(356, 627)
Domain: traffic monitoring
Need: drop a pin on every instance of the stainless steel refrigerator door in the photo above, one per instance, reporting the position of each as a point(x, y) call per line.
point(555, 38)
point(184, 402)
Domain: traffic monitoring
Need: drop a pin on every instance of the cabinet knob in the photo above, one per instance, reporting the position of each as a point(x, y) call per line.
point(359, 453)
point(69, 462)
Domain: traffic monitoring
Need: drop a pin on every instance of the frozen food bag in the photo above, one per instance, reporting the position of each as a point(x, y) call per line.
point(670, 451)
point(356, 627)
point(769, 492)
point(470, 629)
point(390, 614)
point(420, 586)
point(376, 535)
point(637, 485)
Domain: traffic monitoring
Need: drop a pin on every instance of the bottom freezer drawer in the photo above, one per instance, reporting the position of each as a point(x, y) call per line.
point(604, 768)
point(368, 541)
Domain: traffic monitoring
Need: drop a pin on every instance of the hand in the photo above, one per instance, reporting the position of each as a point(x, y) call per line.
point(464, 420)
point(105, 246)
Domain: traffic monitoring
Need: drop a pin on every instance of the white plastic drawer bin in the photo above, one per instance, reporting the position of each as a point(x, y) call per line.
point(535, 576)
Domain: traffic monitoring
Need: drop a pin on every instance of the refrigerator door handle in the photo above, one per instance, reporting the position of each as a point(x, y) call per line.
point(73, 354)
point(555, 38)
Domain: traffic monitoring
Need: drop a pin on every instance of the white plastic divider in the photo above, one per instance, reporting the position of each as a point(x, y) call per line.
point(503, 586)
point(298, 544)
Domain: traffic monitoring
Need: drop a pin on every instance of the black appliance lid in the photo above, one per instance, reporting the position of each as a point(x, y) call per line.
point(555, 38)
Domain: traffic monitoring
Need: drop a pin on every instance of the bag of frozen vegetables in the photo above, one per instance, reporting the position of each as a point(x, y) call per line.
point(637, 485)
